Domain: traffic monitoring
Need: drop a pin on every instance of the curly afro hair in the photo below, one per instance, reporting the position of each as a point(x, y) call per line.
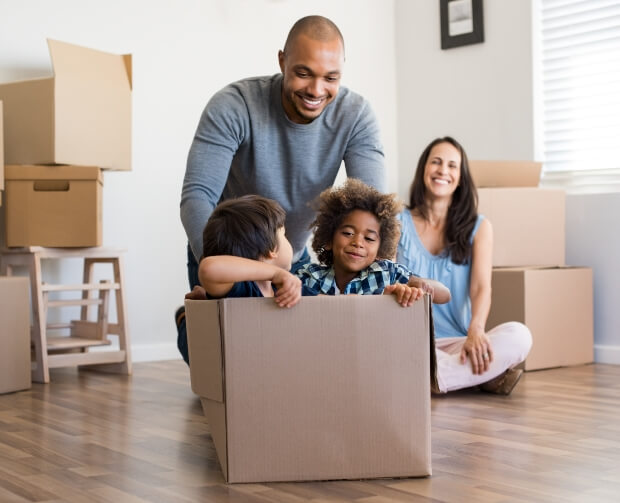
point(334, 204)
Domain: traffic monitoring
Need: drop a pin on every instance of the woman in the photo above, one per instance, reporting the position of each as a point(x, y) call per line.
point(444, 238)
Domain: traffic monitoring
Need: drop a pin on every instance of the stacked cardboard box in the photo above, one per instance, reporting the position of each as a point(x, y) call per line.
point(59, 133)
point(531, 282)
point(14, 334)
point(330, 389)
point(57, 206)
point(14, 319)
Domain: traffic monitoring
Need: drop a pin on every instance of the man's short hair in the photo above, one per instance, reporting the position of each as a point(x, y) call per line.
point(245, 227)
point(317, 28)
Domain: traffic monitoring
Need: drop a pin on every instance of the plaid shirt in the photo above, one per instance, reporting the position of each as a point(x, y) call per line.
point(321, 279)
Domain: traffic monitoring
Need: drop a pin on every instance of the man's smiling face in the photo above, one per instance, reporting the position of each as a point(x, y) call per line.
point(312, 70)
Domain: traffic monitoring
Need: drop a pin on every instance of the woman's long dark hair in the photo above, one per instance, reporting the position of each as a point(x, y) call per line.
point(463, 210)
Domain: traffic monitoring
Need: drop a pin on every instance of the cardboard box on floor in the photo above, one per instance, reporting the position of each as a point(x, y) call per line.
point(334, 388)
point(80, 116)
point(14, 334)
point(58, 206)
point(556, 304)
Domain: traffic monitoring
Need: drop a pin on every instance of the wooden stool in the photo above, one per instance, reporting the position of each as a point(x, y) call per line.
point(64, 351)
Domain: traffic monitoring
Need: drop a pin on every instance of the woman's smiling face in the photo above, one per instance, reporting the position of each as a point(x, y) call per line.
point(442, 171)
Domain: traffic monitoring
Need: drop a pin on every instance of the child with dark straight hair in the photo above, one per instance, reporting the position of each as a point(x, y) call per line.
point(245, 254)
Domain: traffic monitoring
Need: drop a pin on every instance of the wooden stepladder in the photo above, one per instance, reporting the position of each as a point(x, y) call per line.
point(50, 351)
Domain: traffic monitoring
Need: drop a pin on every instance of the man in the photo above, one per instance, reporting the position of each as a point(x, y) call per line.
point(282, 137)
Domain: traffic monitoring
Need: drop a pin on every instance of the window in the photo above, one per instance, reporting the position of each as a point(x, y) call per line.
point(580, 69)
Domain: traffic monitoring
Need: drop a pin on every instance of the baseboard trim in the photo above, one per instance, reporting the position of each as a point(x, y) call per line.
point(159, 352)
point(147, 352)
point(607, 354)
point(154, 352)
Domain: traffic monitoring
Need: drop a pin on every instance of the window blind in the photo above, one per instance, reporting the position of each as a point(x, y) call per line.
point(580, 65)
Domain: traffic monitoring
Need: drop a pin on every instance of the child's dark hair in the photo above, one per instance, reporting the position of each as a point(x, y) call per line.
point(334, 204)
point(245, 227)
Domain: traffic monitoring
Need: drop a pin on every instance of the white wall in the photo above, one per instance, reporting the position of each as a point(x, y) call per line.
point(592, 239)
point(184, 51)
point(480, 94)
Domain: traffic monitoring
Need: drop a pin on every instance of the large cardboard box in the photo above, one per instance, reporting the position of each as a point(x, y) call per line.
point(555, 304)
point(14, 334)
point(505, 173)
point(81, 115)
point(59, 206)
point(334, 388)
point(528, 225)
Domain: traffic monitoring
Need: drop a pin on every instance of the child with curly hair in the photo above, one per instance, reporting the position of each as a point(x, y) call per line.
point(356, 234)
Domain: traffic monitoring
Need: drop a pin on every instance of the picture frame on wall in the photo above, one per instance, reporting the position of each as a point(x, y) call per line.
point(461, 23)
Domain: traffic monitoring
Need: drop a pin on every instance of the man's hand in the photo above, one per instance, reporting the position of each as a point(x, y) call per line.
point(405, 295)
point(288, 288)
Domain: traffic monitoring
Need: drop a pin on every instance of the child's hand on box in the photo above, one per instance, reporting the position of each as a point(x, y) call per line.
point(405, 295)
point(438, 291)
point(288, 288)
point(426, 287)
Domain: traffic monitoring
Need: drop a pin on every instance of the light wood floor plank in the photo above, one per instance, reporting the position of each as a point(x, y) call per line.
point(95, 437)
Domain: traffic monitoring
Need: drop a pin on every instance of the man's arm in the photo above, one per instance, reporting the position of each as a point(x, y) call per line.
point(219, 134)
point(364, 158)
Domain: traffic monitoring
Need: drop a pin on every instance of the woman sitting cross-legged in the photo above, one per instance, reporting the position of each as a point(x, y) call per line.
point(445, 239)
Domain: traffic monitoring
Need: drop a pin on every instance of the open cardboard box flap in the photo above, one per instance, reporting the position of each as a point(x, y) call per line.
point(81, 115)
point(505, 173)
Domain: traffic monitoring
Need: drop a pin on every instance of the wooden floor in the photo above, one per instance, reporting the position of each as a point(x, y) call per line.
point(90, 437)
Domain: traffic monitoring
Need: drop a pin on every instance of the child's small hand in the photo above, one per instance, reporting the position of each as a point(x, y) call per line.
point(405, 295)
point(423, 285)
point(288, 288)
